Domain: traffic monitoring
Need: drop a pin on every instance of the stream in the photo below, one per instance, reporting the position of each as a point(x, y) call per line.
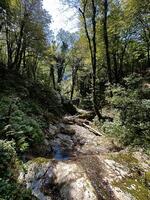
point(81, 168)
point(60, 154)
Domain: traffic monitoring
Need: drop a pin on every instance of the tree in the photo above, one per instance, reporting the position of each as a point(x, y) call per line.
point(106, 40)
point(76, 64)
point(25, 32)
point(141, 14)
point(92, 43)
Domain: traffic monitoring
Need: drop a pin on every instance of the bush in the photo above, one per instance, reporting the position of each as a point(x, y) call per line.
point(8, 160)
point(9, 171)
point(17, 125)
point(132, 126)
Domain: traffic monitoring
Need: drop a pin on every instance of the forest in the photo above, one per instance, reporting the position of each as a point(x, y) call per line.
point(75, 106)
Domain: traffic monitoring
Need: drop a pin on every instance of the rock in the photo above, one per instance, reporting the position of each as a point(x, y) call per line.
point(46, 142)
point(52, 129)
point(65, 138)
point(38, 170)
point(82, 142)
point(61, 125)
point(118, 169)
point(71, 183)
point(93, 173)
point(122, 195)
point(68, 106)
point(67, 131)
point(76, 185)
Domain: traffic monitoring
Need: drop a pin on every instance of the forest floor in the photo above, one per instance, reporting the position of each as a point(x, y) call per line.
point(84, 165)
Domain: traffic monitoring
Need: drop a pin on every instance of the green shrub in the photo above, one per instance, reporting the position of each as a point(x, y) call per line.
point(133, 125)
point(17, 125)
point(9, 171)
point(26, 127)
point(8, 160)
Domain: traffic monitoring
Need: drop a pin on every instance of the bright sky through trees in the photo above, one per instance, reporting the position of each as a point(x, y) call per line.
point(63, 17)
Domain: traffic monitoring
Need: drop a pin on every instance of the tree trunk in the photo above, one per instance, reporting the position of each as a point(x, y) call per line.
point(94, 63)
point(34, 68)
point(74, 75)
point(52, 76)
point(109, 71)
point(92, 47)
point(148, 55)
point(24, 57)
point(9, 48)
point(17, 62)
point(72, 87)
point(115, 68)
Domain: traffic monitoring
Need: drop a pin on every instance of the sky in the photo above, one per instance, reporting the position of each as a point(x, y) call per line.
point(62, 16)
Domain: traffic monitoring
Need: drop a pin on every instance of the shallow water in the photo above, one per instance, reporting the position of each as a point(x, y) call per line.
point(59, 153)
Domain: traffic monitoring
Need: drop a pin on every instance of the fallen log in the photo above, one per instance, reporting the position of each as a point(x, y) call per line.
point(75, 120)
point(92, 129)
point(87, 116)
point(81, 122)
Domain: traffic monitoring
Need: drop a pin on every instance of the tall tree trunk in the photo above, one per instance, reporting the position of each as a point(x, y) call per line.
point(120, 72)
point(9, 48)
point(21, 55)
point(115, 68)
point(148, 55)
point(105, 21)
point(94, 63)
point(34, 67)
point(74, 75)
point(72, 88)
point(19, 45)
point(92, 48)
point(52, 76)
point(24, 53)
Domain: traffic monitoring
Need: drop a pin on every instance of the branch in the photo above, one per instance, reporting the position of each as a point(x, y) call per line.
point(92, 129)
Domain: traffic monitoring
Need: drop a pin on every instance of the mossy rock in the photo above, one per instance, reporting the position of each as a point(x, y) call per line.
point(135, 187)
point(40, 160)
point(125, 158)
point(147, 179)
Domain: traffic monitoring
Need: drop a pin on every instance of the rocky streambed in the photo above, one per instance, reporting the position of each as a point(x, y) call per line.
point(84, 166)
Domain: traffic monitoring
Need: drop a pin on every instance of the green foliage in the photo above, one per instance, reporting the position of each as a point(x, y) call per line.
point(132, 125)
point(26, 129)
point(134, 81)
point(17, 125)
point(9, 171)
point(8, 159)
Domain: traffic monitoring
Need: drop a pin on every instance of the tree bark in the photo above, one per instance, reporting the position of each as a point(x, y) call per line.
point(52, 76)
point(94, 63)
point(115, 68)
point(93, 53)
point(17, 62)
point(105, 30)
point(148, 55)
point(9, 48)
point(73, 85)
point(75, 68)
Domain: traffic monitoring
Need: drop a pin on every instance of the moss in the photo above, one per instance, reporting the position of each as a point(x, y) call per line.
point(125, 158)
point(147, 179)
point(135, 187)
point(40, 160)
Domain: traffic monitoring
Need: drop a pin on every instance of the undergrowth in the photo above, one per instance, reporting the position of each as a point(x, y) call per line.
point(131, 124)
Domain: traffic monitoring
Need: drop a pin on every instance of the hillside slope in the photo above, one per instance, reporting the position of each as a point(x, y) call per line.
point(26, 110)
